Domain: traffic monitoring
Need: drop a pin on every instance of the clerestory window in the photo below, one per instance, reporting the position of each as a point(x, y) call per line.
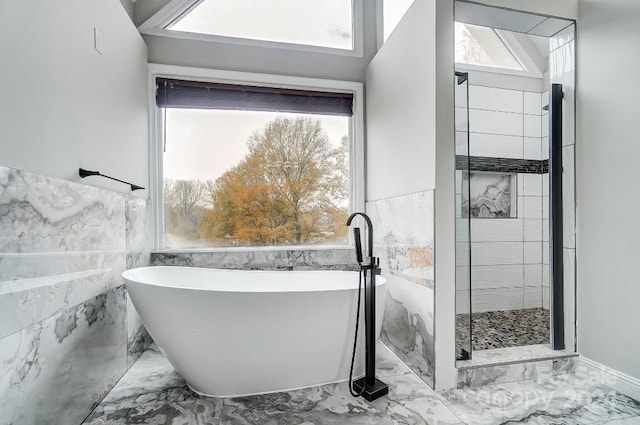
point(326, 23)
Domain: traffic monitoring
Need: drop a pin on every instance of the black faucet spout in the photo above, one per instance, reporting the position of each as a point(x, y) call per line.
point(369, 229)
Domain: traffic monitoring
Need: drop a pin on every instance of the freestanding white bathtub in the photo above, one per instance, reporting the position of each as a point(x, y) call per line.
point(236, 332)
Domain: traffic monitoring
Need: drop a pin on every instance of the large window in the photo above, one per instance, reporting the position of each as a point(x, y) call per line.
point(254, 166)
point(326, 23)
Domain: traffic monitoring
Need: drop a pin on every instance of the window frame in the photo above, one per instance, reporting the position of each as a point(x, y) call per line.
point(156, 24)
point(156, 135)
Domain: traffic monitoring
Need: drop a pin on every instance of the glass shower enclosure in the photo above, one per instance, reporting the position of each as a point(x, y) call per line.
point(463, 221)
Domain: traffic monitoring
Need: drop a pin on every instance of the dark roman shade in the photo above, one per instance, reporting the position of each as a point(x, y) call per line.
point(172, 93)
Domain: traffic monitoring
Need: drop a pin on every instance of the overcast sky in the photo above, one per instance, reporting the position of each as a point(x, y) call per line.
point(324, 23)
point(203, 144)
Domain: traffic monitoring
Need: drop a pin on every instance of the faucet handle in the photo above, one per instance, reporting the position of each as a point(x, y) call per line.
point(358, 242)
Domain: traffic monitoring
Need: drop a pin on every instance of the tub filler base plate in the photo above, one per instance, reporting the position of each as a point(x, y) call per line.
point(371, 392)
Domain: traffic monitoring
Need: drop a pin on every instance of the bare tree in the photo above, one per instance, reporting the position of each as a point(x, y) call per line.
point(184, 206)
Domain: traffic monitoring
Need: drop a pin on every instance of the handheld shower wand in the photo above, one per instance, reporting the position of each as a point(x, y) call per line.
point(368, 387)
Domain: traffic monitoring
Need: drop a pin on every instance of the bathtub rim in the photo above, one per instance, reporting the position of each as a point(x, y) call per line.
point(380, 280)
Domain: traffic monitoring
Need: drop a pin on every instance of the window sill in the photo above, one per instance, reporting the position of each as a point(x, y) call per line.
point(254, 249)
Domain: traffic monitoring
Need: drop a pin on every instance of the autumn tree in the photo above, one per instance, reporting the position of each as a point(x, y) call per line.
point(290, 188)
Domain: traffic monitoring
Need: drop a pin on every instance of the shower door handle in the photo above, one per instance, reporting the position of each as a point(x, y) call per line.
point(556, 268)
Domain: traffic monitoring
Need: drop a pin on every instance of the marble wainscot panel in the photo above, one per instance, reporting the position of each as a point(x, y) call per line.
point(41, 214)
point(63, 309)
point(138, 243)
point(56, 370)
point(321, 258)
point(403, 239)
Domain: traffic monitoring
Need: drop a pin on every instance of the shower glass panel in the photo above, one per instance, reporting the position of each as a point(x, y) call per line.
point(463, 221)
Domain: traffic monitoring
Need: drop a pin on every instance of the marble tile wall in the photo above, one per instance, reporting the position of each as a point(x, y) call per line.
point(67, 329)
point(507, 253)
point(514, 372)
point(261, 259)
point(403, 239)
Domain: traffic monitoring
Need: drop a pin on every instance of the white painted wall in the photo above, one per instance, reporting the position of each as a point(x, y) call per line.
point(607, 152)
point(64, 105)
point(445, 214)
point(264, 59)
point(401, 108)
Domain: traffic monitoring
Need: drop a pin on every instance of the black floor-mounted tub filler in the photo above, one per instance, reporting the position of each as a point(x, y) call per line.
point(369, 386)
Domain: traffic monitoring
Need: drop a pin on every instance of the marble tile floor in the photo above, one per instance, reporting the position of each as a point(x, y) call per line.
point(500, 329)
point(153, 393)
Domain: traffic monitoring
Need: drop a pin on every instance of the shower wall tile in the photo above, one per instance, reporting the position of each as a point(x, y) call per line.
point(533, 230)
point(404, 229)
point(495, 145)
point(55, 371)
point(532, 207)
point(532, 103)
point(533, 148)
point(532, 275)
point(545, 125)
point(545, 253)
point(532, 185)
point(496, 230)
point(545, 183)
point(492, 253)
point(495, 99)
point(533, 297)
point(532, 126)
point(545, 275)
point(64, 319)
point(497, 299)
point(545, 207)
point(505, 123)
point(533, 253)
point(497, 276)
point(545, 297)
